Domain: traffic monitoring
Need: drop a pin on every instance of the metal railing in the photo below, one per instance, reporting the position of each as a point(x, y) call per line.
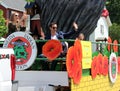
point(71, 41)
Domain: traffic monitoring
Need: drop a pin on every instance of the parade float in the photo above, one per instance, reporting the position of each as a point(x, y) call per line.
point(85, 70)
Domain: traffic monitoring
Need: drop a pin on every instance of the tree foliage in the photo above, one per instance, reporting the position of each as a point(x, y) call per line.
point(114, 31)
point(3, 27)
point(113, 7)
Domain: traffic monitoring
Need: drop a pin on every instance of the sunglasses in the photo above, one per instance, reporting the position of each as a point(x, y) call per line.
point(16, 15)
point(54, 27)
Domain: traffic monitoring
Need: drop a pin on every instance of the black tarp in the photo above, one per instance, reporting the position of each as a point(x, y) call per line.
point(84, 12)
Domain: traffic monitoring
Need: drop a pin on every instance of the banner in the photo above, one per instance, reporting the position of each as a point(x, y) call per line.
point(86, 54)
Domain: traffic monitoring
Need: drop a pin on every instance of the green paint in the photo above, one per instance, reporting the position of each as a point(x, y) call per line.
point(20, 52)
point(113, 68)
point(86, 72)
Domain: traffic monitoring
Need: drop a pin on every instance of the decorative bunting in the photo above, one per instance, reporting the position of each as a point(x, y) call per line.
point(70, 61)
point(94, 68)
point(118, 58)
point(74, 62)
point(115, 46)
point(105, 66)
point(78, 74)
point(109, 45)
point(100, 63)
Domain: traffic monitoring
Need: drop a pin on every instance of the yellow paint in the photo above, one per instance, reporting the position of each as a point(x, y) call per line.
point(100, 83)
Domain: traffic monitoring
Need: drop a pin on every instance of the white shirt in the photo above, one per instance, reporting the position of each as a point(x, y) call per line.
point(54, 37)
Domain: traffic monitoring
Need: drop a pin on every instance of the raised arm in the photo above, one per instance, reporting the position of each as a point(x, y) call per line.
point(75, 29)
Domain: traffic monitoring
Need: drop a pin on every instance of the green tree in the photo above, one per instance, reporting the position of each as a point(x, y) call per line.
point(113, 7)
point(3, 27)
point(114, 32)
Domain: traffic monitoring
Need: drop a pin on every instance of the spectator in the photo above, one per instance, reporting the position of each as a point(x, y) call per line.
point(13, 22)
point(16, 23)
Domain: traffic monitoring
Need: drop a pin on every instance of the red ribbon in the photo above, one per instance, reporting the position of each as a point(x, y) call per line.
point(115, 46)
point(12, 59)
point(118, 58)
point(109, 46)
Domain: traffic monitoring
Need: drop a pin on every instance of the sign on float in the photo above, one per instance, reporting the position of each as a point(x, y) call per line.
point(24, 47)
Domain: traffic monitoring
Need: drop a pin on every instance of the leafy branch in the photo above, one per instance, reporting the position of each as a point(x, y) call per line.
point(3, 27)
